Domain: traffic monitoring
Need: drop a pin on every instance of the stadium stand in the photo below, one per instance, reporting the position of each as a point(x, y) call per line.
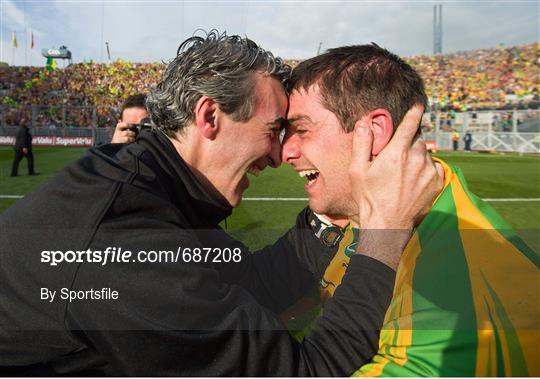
point(89, 94)
point(500, 78)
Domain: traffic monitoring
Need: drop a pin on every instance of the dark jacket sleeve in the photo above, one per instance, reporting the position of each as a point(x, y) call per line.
point(182, 319)
point(279, 274)
point(23, 139)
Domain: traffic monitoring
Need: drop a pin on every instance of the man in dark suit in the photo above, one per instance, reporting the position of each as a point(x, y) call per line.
point(23, 148)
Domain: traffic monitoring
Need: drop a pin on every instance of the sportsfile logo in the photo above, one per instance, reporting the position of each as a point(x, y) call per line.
point(119, 255)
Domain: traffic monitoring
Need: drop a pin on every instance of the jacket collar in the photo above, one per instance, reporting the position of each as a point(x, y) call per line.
point(201, 205)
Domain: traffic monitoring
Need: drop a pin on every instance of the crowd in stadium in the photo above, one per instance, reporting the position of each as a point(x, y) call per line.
point(88, 94)
point(482, 79)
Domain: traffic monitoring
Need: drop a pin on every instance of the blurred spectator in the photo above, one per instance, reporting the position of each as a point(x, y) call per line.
point(468, 141)
point(455, 140)
point(23, 148)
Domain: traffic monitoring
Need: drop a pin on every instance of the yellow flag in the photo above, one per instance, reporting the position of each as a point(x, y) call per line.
point(15, 44)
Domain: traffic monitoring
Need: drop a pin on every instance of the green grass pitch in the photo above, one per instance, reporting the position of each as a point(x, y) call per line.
point(258, 223)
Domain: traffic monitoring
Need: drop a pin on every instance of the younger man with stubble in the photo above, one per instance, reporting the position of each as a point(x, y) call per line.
point(464, 303)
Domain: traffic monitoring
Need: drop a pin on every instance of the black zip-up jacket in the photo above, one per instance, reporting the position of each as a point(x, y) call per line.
point(23, 139)
point(185, 319)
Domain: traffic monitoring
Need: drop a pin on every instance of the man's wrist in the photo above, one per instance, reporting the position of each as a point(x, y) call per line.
point(374, 222)
point(384, 245)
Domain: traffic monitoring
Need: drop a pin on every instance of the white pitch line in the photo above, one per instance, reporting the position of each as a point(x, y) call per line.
point(306, 199)
point(512, 200)
point(493, 200)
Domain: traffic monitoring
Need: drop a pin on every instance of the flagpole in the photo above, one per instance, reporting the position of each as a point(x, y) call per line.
point(25, 35)
point(31, 44)
point(14, 45)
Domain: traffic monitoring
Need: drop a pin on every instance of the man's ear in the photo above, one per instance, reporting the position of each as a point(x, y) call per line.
point(380, 122)
point(205, 117)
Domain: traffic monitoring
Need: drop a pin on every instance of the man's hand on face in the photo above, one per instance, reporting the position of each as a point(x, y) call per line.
point(394, 191)
point(122, 133)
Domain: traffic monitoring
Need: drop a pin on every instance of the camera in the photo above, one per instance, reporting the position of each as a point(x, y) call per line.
point(144, 124)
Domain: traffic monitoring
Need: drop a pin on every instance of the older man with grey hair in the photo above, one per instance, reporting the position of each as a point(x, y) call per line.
point(117, 265)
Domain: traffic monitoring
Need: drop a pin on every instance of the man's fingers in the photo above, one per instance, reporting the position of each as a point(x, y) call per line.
point(126, 136)
point(419, 145)
point(408, 128)
point(122, 126)
point(124, 139)
point(420, 148)
point(362, 147)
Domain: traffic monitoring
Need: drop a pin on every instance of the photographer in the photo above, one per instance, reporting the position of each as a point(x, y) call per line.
point(133, 113)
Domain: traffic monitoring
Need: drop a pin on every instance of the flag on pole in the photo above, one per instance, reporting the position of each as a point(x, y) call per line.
point(15, 43)
point(32, 41)
point(49, 65)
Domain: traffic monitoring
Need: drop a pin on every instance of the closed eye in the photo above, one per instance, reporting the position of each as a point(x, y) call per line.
point(299, 124)
point(276, 127)
point(274, 132)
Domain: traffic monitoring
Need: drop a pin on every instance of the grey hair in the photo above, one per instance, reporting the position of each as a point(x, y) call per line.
point(219, 66)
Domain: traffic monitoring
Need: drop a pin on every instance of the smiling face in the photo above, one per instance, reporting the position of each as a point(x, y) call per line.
point(319, 149)
point(252, 145)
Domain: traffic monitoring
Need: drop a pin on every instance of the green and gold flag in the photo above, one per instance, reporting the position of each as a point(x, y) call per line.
point(466, 297)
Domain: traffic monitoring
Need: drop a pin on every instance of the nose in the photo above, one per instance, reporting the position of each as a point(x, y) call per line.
point(289, 148)
point(275, 154)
